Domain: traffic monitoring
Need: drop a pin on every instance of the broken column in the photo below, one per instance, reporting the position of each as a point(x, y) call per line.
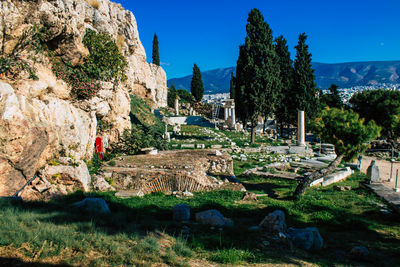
point(177, 106)
point(301, 133)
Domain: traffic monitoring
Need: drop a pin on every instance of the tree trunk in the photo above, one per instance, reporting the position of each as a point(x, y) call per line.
point(265, 123)
point(253, 134)
point(307, 180)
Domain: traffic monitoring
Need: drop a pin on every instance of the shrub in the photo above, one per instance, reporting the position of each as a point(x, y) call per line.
point(104, 62)
point(139, 137)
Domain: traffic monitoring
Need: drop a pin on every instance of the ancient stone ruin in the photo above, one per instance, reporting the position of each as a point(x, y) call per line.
point(169, 171)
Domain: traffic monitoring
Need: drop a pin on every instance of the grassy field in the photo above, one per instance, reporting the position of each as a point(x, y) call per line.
point(192, 134)
point(140, 231)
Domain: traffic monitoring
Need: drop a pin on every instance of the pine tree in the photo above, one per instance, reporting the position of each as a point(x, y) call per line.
point(284, 112)
point(304, 87)
point(232, 87)
point(257, 73)
point(332, 100)
point(156, 55)
point(196, 85)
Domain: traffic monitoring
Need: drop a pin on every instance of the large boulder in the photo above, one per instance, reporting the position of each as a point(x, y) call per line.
point(213, 217)
point(306, 238)
point(93, 205)
point(274, 222)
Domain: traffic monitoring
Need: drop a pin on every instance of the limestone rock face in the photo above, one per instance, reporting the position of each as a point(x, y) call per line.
point(39, 119)
point(33, 131)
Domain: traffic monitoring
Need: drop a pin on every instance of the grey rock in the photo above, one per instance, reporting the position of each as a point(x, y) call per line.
point(213, 217)
point(306, 238)
point(93, 205)
point(275, 222)
point(359, 251)
point(129, 193)
point(373, 173)
point(181, 213)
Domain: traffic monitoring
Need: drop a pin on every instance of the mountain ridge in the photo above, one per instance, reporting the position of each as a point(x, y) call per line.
point(343, 74)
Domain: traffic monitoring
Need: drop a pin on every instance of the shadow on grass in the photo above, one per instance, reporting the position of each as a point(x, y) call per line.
point(137, 216)
point(17, 262)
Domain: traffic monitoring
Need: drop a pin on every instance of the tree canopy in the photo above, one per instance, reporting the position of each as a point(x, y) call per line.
point(156, 54)
point(257, 73)
point(196, 85)
point(382, 106)
point(332, 100)
point(347, 132)
point(172, 93)
point(232, 87)
point(285, 112)
point(304, 87)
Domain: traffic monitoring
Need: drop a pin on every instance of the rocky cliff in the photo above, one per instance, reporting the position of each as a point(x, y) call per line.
point(40, 120)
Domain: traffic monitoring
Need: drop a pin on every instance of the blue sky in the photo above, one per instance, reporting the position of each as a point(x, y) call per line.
point(209, 33)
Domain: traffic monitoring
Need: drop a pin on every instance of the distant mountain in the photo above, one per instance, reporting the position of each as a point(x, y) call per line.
point(342, 74)
point(214, 81)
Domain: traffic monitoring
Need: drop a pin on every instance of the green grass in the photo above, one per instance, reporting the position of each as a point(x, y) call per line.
point(56, 231)
point(210, 136)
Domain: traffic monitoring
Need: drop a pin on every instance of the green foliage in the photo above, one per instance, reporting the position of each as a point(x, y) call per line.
point(285, 114)
point(156, 54)
point(171, 96)
point(184, 96)
point(332, 100)
point(196, 85)
point(137, 138)
point(345, 130)
point(82, 85)
point(304, 87)
point(34, 40)
point(94, 165)
point(257, 74)
point(232, 256)
point(232, 87)
point(382, 106)
point(104, 62)
point(147, 130)
point(141, 232)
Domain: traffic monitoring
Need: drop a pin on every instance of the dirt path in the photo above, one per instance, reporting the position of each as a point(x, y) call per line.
point(384, 170)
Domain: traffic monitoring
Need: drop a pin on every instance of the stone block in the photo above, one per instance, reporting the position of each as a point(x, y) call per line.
point(373, 173)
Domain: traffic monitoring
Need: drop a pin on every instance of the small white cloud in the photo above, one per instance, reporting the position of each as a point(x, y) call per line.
point(165, 64)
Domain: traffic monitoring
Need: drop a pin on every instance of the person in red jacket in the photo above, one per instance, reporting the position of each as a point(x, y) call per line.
point(99, 147)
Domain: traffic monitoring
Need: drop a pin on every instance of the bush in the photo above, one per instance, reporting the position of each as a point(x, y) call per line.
point(104, 63)
point(139, 137)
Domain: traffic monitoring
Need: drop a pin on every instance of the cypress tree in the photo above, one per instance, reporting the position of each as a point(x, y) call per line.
point(232, 87)
point(156, 55)
point(257, 73)
point(196, 85)
point(304, 87)
point(284, 113)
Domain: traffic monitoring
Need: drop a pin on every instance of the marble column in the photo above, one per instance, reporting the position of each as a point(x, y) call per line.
point(301, 134)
